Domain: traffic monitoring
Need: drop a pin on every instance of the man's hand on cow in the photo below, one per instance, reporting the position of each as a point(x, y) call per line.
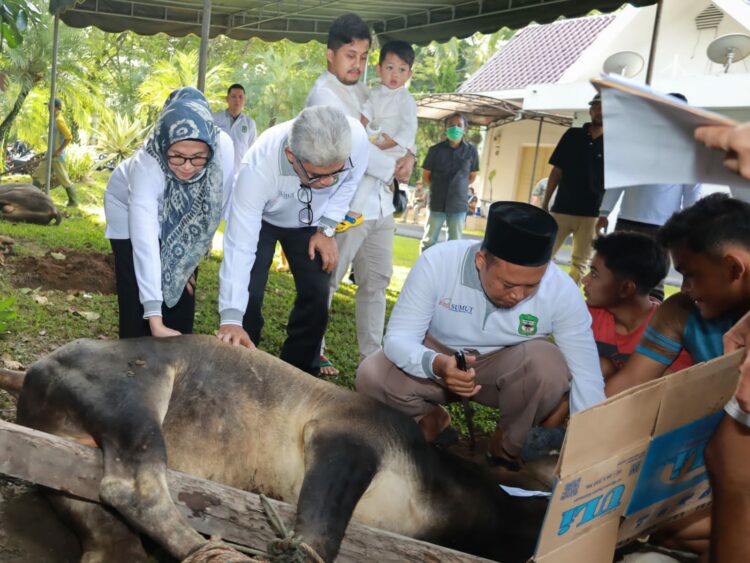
point(404, 167)
point(462, 383)
point(159, 329)
point(235, 335)
point(739, 337)
point(327, 248)
point(734, 140)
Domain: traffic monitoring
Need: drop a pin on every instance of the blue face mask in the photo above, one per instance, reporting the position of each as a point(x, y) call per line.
point(454, 133)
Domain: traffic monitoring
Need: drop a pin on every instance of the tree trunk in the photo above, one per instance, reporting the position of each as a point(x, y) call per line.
point(11, 117)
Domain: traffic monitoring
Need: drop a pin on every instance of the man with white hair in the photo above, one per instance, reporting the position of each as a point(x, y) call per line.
point(294, 186)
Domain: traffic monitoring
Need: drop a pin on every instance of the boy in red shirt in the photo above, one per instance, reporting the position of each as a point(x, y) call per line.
point(625, 268)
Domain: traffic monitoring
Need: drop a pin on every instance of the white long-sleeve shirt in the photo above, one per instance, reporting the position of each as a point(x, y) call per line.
point(266, 190)
point(442, 295)
point(350, 98)
point(652, 204)
point(242, 131)
point(133, 202)
point(395, 111)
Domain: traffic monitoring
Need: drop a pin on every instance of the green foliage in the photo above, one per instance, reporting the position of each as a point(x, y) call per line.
point(118, 135)
point(80, 161)
point(15, 16)
point(7, 312)
point(177, 71)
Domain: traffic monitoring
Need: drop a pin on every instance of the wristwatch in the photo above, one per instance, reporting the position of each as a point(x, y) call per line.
point(327, 230)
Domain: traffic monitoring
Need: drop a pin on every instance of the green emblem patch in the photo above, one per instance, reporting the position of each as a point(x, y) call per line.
point(527, 325)
point(244, 128)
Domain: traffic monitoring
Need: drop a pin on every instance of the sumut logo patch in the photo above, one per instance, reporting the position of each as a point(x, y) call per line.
point(527, 325)
point(446, 303)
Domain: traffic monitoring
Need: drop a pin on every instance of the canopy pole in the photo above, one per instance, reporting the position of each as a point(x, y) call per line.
point(654, 39)
point(203, 57)
point(52, 91)
point(536, 156)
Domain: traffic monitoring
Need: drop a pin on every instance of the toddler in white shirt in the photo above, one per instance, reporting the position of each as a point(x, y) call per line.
point(390, 117)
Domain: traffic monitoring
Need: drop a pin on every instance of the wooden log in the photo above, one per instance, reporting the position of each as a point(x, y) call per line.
point(211, 508)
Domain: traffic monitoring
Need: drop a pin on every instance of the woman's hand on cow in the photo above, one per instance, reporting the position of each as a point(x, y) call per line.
point(734, 140)
point(235, 335)
point(739, 337)
point(462, 383)
point(327, 248)
point(159, 329)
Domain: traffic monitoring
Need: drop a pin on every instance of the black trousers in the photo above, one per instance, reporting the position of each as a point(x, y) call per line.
point(649, 230)
point(309, 317)
point(132, 324)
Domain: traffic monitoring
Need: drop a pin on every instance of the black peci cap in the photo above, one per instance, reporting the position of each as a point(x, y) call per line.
point(520, 233)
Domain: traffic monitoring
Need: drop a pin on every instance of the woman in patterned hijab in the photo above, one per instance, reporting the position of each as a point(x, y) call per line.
point(180, 157)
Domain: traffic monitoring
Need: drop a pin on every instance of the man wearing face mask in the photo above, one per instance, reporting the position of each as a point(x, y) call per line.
point(498, 301)
point(447, 170)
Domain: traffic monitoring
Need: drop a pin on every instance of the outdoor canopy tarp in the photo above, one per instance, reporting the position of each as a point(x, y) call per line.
point(415, 21)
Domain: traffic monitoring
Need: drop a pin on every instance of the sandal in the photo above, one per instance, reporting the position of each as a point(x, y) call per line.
point(349, 222)
point(326, 363)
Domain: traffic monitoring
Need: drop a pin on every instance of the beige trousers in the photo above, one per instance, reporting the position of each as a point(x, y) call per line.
point(583, 230)
point(525, 382)
point(369, 248)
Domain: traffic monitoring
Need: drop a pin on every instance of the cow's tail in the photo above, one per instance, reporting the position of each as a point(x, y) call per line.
point(58, 216)
point(12, 381)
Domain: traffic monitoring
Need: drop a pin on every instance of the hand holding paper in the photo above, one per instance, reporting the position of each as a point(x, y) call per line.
point(734, 140)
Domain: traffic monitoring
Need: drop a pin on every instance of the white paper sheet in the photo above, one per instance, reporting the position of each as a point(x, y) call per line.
point(516, 492)
point(648, 139)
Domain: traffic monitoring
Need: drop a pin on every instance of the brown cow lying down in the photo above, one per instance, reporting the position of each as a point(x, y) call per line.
point(249, 420)
point(25, 203)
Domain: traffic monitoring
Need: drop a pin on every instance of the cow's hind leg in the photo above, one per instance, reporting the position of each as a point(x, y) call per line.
point(123, 413)
point(338, 469)
point(135, 482)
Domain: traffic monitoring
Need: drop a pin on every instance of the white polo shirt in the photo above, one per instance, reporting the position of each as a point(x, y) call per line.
point(241, 131)
point(266, 190)
point(442, 295)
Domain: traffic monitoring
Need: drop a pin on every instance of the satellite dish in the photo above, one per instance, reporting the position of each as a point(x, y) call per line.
point(624, 63)
point(729, 49)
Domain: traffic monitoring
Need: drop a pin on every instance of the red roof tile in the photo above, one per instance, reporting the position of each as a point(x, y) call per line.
point(538, 54)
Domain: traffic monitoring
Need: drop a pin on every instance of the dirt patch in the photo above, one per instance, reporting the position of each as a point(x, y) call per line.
point(65, 270)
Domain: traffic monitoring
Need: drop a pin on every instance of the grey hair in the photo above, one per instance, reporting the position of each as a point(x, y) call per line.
point(321, 136)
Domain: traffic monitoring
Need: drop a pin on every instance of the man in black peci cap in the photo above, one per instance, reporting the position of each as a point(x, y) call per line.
point(498, 301)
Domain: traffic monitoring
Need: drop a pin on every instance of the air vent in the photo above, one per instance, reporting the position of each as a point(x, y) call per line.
point(709, 18)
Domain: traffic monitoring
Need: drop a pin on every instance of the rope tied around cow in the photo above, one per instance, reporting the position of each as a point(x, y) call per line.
point(287, 548)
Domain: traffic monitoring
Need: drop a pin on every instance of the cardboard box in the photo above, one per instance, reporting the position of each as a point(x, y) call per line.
point(635, 462)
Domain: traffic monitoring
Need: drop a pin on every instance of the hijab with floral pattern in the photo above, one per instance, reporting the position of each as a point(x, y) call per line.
point(191, 210)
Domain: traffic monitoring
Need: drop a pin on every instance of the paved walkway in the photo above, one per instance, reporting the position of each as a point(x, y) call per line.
point(562, 258)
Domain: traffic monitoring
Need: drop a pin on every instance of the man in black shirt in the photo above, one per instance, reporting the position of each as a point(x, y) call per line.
point(578, 171)
point(448, 169)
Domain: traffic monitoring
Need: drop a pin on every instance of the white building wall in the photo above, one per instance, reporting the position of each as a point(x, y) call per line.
point(502, 153)
point(681, 63)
